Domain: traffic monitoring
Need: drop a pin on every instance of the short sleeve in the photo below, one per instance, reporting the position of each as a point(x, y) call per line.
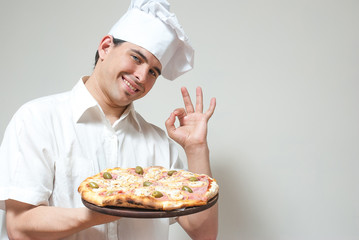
point(27, 168)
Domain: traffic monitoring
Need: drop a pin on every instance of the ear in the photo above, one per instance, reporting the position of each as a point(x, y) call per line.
point(104, 46)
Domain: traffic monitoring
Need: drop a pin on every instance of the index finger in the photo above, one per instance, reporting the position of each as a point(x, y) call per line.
point(187, 100)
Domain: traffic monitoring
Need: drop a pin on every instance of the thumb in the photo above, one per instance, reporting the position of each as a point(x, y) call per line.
point(170, 124)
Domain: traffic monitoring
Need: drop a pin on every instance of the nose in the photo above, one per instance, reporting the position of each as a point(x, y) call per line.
point(141, 73)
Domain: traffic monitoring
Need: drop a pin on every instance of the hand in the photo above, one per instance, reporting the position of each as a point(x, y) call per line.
point(192, 129)
point(26, 221)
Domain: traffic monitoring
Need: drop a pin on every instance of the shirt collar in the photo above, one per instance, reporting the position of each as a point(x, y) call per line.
point(82, 99)
point(85, 105)
point(130, 111)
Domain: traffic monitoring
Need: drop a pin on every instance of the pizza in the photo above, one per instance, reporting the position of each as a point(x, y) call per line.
point(153, 187)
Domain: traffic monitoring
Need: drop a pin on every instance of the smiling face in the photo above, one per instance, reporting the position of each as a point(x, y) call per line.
point(124, 73)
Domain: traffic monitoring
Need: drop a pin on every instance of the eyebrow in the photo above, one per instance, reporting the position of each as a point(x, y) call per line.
point(145, 59)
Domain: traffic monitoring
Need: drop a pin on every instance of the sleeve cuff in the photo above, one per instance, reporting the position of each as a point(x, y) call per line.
point(24, 195)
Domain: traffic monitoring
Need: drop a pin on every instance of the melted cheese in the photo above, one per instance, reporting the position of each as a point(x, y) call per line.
point(196, 184)
point(171, 184)
point(174, 194)
point(153, 174)
point(187, 174)
point(144, 191)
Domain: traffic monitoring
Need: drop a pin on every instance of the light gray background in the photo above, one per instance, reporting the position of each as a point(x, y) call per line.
point(285, 135)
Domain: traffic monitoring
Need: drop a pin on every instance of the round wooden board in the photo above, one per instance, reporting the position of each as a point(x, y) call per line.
point(146, 213)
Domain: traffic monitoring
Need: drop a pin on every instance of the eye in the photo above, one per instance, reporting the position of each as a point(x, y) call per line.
point(153, 73)
point(135, 58)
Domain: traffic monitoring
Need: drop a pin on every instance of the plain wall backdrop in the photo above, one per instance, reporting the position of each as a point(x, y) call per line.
point(284, 138)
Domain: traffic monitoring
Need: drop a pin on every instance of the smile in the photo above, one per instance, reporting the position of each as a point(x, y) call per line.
point(130, 86)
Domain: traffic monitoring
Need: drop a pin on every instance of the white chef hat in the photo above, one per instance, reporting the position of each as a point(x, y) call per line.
point(149, 24)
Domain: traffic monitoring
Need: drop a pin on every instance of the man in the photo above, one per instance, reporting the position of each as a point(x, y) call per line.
point(55, 142)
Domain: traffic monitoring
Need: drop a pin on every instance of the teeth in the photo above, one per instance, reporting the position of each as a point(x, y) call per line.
point(128, 84)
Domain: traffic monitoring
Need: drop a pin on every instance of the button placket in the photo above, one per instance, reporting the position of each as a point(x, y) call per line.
point(112, 230)
point(114, 150)
point(111, 161)
point(110, 148)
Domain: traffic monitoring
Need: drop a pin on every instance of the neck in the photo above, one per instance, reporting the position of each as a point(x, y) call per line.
point(111, 111)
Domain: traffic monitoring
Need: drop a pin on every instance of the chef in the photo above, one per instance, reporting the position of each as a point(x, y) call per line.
point(53, 143)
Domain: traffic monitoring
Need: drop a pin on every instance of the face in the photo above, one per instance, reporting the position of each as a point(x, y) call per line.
point(127, 72)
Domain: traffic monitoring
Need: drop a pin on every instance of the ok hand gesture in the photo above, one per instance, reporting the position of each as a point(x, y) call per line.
point(192, 129)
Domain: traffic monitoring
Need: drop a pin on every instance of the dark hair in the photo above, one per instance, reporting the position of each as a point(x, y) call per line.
point(116, 41)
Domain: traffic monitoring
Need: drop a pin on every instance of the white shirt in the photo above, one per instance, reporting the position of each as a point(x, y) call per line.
point(53, 143)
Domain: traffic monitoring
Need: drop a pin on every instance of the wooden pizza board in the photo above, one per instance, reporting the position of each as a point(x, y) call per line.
point(146, 213)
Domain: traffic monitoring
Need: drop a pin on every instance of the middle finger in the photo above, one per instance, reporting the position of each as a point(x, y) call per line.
point(199, 100)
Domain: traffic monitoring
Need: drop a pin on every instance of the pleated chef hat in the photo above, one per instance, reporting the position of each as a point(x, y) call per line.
point(149, 24)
